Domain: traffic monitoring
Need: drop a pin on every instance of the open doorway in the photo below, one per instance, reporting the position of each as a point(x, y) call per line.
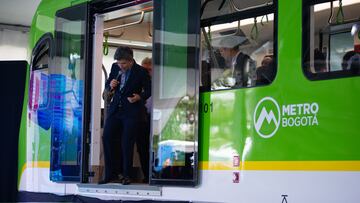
point(131, 27)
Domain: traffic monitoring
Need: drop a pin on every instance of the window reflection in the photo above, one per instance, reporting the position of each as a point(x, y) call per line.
point(67, 94)
point(174, 92)
point(334, 40)
point(238, 54)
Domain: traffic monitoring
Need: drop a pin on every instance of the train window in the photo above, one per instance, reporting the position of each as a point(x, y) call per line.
point(39, 83)
point(41, 54)
point(331, 39)
point(237, 44)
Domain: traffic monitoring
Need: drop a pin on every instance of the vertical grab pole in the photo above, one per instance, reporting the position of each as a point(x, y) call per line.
point(95, 146)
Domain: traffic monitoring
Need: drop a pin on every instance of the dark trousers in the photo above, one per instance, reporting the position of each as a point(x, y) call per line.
point(119, 125)
point(142, 143)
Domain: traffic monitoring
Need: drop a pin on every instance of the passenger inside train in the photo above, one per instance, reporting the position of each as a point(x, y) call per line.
point(233, 52)
point(265, 73)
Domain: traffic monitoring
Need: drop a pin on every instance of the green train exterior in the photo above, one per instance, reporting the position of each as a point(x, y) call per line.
point(297, 136)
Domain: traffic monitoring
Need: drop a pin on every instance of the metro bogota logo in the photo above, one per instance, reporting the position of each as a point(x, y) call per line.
point(268, 116)
point(267, 109)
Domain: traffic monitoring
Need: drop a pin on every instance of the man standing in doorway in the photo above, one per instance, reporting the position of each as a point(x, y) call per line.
point(132, 87)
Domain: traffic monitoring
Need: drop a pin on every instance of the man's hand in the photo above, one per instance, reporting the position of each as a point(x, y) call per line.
point(114, 83)
point(134, 98)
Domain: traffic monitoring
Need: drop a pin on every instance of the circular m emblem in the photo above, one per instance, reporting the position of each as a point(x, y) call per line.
point(267, 117)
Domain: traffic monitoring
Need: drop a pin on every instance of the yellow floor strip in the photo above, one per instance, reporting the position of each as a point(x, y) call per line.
point(284, 165)
point(257, 165)
point(35, 164)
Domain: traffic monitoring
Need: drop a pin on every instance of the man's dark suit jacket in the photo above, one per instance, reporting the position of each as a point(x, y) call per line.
point(240, 74)
point(138, 82)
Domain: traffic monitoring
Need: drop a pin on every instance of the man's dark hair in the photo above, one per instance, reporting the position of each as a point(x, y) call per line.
point(124, 53)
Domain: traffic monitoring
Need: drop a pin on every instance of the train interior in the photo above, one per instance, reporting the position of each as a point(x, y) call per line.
point(334, 37)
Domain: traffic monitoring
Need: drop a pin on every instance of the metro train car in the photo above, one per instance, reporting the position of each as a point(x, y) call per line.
point(252, 100)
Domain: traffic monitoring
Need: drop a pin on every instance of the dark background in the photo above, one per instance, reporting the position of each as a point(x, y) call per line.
point(12, 87)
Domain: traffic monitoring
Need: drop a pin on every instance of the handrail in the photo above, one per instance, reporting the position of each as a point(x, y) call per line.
point(331, 12)
point(254, 30)
point(128, 24)
point(149, 30)
point(340, 14)
point(106, 44)
point(269, 3)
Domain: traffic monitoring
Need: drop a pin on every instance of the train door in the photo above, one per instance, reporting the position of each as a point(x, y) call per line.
point(68, 95)
point(174, 144)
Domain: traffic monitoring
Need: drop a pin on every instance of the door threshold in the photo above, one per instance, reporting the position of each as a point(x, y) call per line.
point(116, 188)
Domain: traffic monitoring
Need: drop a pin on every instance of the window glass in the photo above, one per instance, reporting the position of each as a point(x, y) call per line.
point(238, 48)
point(39, 111)
point(42, 56)
point(174, 92)
point(67, 93)
point(331, 39)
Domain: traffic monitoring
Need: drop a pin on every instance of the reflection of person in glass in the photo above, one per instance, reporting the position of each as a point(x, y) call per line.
point(132, 87)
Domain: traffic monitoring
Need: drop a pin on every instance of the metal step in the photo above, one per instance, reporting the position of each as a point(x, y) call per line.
point(116, 188)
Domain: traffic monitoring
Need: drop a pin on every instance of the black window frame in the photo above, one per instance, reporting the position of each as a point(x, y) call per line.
point(305, 54)
point(245, 14)
point(46, 41)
